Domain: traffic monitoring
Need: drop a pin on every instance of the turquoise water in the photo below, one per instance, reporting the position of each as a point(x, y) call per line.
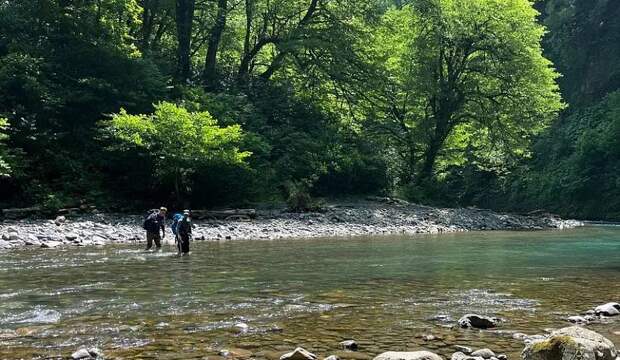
point(261, 298)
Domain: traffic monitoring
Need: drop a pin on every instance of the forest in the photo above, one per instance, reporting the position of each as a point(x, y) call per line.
point(504, 104)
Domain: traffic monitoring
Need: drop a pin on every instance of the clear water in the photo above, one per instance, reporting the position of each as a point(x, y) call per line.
point(384, 292)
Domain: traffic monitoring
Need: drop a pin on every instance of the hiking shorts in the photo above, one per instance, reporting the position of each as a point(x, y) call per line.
point(153, 236)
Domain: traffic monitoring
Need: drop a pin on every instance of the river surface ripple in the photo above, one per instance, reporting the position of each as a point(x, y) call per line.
point(261, 298)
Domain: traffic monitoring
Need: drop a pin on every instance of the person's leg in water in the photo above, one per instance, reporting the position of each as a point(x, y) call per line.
point(149, 240)
point(177, 239)
point(185, 244)
point(157, 238)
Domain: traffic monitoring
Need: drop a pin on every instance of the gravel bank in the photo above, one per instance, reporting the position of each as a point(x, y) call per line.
point(368, 218)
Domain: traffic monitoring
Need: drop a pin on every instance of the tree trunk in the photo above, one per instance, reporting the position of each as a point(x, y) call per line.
point(244, 66)
point(430, 155)
point(185, 17)
point(149, 8)
point(438, 137)
point(210, 72)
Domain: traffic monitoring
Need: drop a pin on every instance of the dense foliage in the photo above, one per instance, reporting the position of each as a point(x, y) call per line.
point(177, 141)
point(576, 167)
point(461, 78)
point(449, 101)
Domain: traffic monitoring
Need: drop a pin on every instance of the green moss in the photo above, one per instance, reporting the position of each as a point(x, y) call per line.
point(553, 346)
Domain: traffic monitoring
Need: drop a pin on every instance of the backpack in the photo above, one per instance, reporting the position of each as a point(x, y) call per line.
point(175, 222)
point(151, 223)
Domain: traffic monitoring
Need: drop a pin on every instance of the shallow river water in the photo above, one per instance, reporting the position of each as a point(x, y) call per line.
point(384, 292)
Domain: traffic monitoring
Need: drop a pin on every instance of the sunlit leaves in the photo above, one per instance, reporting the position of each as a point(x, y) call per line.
point(179, 141)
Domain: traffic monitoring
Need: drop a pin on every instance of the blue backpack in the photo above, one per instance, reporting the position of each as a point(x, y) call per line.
point(175, 222)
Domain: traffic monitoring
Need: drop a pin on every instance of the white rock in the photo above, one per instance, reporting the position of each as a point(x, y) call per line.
point(408, 355)
point(81, 354)
point(609, 309)
point(464, 349)
point(51, 244)
point(299, 354)
point(13, 236)
point(577, 319)
point(483, 353)
point(243, 327)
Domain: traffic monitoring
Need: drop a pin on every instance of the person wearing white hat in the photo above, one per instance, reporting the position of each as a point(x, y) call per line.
point(184, 231)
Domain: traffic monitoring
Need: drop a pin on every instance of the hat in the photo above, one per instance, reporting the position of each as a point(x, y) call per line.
point(185, 212)
point(163, 208)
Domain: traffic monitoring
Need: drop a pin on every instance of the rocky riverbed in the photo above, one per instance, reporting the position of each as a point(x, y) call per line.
point(368, 218)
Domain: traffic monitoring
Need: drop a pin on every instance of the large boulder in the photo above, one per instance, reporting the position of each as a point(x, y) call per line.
point(408, 355)
point(571, 343)
point(478, 321)
point(609, 309)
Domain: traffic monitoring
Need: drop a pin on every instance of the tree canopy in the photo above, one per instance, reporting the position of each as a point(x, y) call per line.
point(178, 141)
point(442, 101)
point(461, 78)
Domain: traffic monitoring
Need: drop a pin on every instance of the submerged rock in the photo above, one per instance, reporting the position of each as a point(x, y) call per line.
point(408, 355)
point(242, 327)
point(332, 357)
point(571, 343)
point(478, 321)
point(464, 349)
point(609, 309)
point(483, 353)
point(299, 354)
point(577, 319)
point(460, 356)
point(51, 244)
point(91, 353)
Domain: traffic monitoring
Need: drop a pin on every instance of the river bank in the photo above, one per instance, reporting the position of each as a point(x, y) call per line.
point(340, 220)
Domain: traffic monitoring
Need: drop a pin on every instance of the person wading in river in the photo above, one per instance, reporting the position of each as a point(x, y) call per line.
point(153, 224)
point(184, 232)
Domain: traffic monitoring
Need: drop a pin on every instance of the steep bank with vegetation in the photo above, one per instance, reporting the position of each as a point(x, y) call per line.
point(124, 104)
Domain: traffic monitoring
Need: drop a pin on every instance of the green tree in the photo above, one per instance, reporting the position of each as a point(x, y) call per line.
point(460, 77)
point(178, 141)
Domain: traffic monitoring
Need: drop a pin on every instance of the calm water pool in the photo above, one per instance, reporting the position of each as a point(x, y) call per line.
point(384, 292)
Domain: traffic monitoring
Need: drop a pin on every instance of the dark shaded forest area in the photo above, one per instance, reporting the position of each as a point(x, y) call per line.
point(208, 103)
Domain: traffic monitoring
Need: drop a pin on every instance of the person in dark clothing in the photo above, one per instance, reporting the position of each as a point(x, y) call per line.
point(184, 232)
point(153, 224)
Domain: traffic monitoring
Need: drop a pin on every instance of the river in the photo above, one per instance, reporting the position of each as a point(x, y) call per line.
point(261, 298)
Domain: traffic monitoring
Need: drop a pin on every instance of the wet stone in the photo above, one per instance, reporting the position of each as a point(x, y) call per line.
point(464, 349)
point(577, 320)
point(609, 309)
point(349, 345)
point(299, 354)
point(478, 321)
point(483, 353)
point(413, 355)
